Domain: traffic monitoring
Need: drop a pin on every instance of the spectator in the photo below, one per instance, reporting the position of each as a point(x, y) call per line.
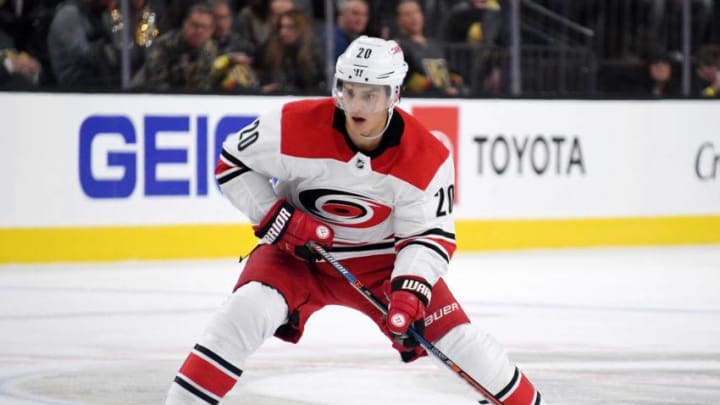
point(428, 69)
point(177, 11)
point(662, 82)
point(353, 17)
point(475, 22)
point(233, 65)
point(17, 69)
point(27, 23)
point(707, 74)
point(385, 9)
point(479, 22)
point(80, 46)
point(183, 59)
point(291, 61)
point(147, 18)
point(258, 19)
point(227, 40)
point(380, 20)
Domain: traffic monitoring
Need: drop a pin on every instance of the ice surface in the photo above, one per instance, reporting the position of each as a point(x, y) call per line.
point(589, 326)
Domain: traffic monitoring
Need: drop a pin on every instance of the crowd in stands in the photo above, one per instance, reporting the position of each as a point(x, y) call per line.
point(454, 48)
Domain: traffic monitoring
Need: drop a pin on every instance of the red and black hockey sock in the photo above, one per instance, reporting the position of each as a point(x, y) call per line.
point(519, 391)
point(206, 375)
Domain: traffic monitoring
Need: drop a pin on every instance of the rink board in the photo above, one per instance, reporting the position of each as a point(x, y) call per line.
point(115, 177)
point(208, 241)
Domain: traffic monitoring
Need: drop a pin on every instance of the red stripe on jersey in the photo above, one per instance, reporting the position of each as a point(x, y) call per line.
point(524, 394)
point(401, 244)
point(207, 375)
point(221, 167)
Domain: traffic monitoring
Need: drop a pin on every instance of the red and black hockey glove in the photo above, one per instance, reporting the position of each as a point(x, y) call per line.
point(409, 297)
point(291, 229)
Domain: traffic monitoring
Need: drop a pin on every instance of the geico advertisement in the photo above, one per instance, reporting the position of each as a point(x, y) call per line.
point(119, 159)
point(144, 159)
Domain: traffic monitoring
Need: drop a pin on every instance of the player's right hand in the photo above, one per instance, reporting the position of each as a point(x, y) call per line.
point(409, 297)
point(291, 229)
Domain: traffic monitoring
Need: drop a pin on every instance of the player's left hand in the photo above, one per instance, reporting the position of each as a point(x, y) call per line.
point(291, 229)
point(409, 297)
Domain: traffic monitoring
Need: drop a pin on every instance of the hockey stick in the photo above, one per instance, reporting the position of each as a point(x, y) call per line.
point(429, 347)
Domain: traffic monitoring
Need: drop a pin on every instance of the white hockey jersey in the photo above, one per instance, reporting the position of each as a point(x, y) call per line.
point(395, 200)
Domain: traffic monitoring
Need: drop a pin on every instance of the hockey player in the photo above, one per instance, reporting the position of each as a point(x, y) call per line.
point(363, 178)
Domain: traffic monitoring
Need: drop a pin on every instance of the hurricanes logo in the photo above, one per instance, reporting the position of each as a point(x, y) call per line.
point(343, 208)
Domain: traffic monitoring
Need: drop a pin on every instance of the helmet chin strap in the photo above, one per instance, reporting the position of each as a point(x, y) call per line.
point(387, 124)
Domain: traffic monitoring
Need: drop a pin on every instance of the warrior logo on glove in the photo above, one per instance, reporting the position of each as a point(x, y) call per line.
point(291, 229)
point(277, 226)
point(417, 287)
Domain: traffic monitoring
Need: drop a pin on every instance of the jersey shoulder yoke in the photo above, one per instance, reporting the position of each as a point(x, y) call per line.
point(307, 131)
point(420, 154)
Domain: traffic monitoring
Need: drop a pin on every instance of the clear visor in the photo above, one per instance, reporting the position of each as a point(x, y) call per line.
point(360, 98)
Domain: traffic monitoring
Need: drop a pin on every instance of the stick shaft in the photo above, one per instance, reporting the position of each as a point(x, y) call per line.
point(429, 347)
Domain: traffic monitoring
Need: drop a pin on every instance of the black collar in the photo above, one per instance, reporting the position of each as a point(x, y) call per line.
point(390, 138)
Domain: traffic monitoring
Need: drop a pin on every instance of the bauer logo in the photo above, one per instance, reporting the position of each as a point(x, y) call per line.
point(441, 313)
point(707, 162)
point(157, 155)
point(539, 155)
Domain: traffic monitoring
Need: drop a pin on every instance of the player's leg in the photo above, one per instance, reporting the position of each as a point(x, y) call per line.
point(482, 357)
point(275, 294)
point(476, 352)
point(240, 326)
point(449, 328)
